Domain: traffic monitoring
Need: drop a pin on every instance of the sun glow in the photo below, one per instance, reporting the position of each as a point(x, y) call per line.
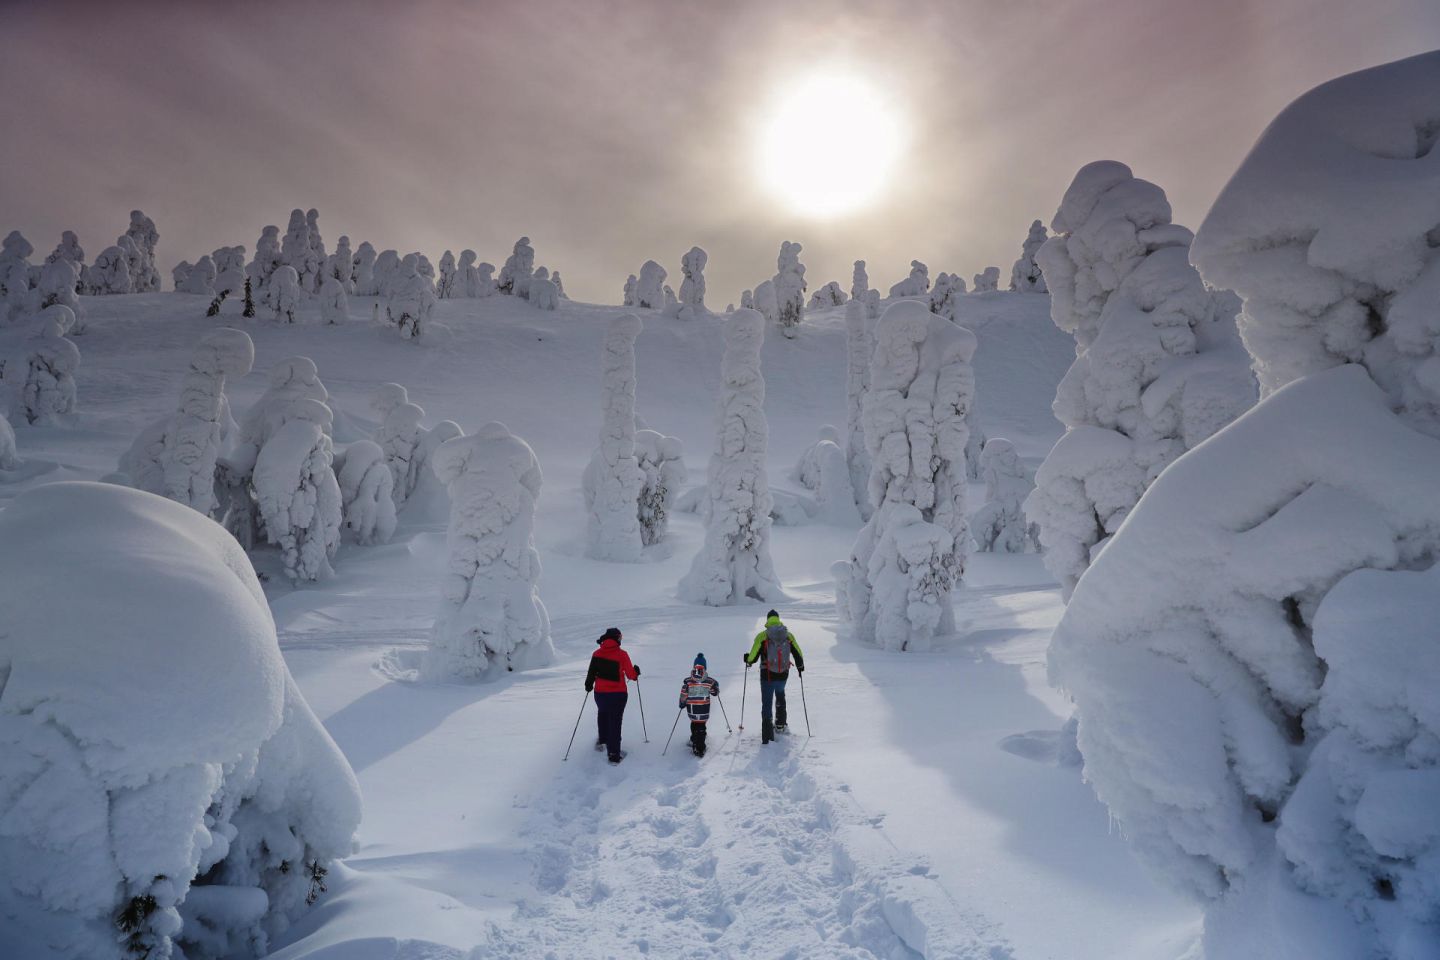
point(829, 144)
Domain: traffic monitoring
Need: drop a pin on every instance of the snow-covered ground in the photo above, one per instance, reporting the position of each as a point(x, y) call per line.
point(928, 815)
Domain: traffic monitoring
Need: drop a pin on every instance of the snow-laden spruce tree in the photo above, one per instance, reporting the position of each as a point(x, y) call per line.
point(425, 268)
point(1158, 367)
point(945, 295)
point(9, 458)
point(1025, 275)
point(859, 347)
point(613, 481)
point(282, 293)
point(49, 391)
point(58, 279)
point(341, 265)
point(366, 493)
point(734, 563)
point(827, 296)
point(544, 295)
point(859, 282)
point(630, 297)
point(823, 468)
point(662, 462)
point(144, 276)
point(362, 270)
point(267, 259)
point(134, 262)
point(492, 617)
point(200, 279)
point(692, 288)
point(987, 280)
point(409, 298)
point(295, 249)
point(387, 397)
point(909, 556)
point(999, 526)
point(789, 289)
point(1276, 588)
point(180, 272)
point(387, 268)
point(766, 303)
point(176, 457)
point(914, 285)
point(315, 263)
point(109, 274)
point(296, 491)
point(229, 276)
point(334, 305)
point(650, 289)
point(559, 285)
point(163, 785)
point(806, 471)
point(399, 438)
point(518, 269)
point(484, 280)
point(69, 249)
point(17, 299)
point(445, 287)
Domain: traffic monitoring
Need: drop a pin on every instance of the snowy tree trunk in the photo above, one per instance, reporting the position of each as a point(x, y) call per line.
point(734, 563)
point(492, 616)
point(613, 481)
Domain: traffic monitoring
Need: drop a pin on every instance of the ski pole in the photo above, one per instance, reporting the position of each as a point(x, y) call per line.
point(723, 714)
point(743, 685)
point(804, 706)
point(642, 710)
point(577, 725)
point(672, 731)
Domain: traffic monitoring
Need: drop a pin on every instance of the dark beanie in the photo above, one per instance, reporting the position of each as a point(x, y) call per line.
point(612, 634)
point(700, 659)
point(773, 613)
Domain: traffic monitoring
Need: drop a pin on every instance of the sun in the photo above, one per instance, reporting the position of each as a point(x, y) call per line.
point(829, 144)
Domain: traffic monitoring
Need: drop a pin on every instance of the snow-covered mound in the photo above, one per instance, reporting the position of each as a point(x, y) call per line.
point(161, 778)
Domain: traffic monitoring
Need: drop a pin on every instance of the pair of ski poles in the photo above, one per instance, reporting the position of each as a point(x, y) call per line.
point(803, 705)
point(586, 697)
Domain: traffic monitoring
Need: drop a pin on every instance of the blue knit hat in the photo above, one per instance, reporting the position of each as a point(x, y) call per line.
point(700, 659)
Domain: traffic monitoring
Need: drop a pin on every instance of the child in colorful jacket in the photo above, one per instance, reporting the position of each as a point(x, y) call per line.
point(695, 692)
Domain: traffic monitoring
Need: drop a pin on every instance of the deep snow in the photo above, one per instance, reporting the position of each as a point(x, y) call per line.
point(927, 816)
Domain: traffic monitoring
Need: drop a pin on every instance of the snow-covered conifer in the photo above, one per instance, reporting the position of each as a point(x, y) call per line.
point(49, 390)
point(692, 288)
point(135, 263)
point(859, 281)
point(559, 285)
point(987, 280)
point(914, 285)
point(315, 263)
point(366, 486)
point(672, 303)
point(827, 296)
point(944, 296)
point(69, 249)
point(662, 461)
point(485, 284)
point(445, 289)
point(806, 471)
point(16, 296)
point(334, 305)
point(411, 297)
point(630, 298)
point(544, 295)
point(387, 397)
point(58, 279)
point(1000, 525)
point(282, 293)
point(734, 563)
point(822, 468)
point(180, 272)
point(492, 616)
point(789, 289)
point(267, 258)
point(387, 270)
point(296, 491)
point(399, 437)
point(872, 304)
point(650, 289)
point(229, 277)
point(747, 301)
point(201, 278)
point(145, 279)
point(295, 249)
point(193, 803)
point(910, 555)
point(859, 347)
point(1158, 367)
point(613, 481)
point(425, 268)
point(518, 269)
point(1025, 275)
point(109, 274)
point(362, 271)
point(341, 265)
point(766, 302)
point(9, 459)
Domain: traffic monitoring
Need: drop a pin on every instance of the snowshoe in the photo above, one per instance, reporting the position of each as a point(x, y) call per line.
point(616, 759)
point(782, 728)
point(697, 749)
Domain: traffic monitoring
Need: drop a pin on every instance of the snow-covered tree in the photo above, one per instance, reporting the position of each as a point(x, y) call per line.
point(944, 296)
point(1025, 275)
point(910, 555)
point(282, 293)
point(49, 391)
point(1276, 587)
point(229, 276)
point(872, 304)
point(387, 268)
point(445, 289)
point(315, 263)
point(987, 280)
point(387, 397)
point(295, 249)
point(734, 563)
point(180, 272)
point(1000, 525)
point(296, 491)
point(366, 493)
point(9, 459)
point(425, 268)
point(135, 263)
point(823, 469)
point(193, 803)
point(789, 289)
point(747, 301)
point(692, 288)
point(806, 471)
point(559, 285)
point(485, 285)
point(201, 278)
point(859, 282)
point(109, 274)
point(144, 277)
point(334, 305)
point(362, 270)
point(410, 298)
point(544, 295)
point(1158, 367)
point(650, 290)
point(492, 615)
point(399, 438)
point(859, 347)
point(631, 298)
point(176, 457)
point(613, 481)
point(341, 265)
point(766, 303)
point(518, 269)
point(58, 279)
point(672, 303)
point(17, 299)
point(827, 296)
point(267, 259)
point(662, 461)
point(69, 249)
point(914, 285)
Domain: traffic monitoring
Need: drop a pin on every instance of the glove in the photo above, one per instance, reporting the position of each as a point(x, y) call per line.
point(589, 687)
point(637, 671)
point(746, 658)
point(800, 667)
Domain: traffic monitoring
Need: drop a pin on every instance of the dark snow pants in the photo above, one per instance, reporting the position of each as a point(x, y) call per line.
point(609, 714)
point(772, 690)
point(697, 734)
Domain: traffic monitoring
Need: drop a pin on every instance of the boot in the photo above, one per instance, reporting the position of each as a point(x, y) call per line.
point(767, 731)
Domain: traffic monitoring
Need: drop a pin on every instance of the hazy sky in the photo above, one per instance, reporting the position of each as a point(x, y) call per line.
point(613, 132)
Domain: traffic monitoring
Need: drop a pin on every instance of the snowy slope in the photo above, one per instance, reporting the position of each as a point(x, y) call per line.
point(903, 829)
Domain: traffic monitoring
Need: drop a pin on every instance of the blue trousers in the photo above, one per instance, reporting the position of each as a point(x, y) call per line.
point(609, 715)
point(772, 691)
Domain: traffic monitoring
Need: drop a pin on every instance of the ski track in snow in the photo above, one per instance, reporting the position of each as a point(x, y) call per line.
point(746, 855)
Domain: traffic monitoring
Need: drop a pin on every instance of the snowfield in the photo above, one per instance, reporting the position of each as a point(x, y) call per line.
point(934, 814)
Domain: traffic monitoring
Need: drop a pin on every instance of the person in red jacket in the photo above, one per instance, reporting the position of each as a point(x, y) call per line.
point(609, 668)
